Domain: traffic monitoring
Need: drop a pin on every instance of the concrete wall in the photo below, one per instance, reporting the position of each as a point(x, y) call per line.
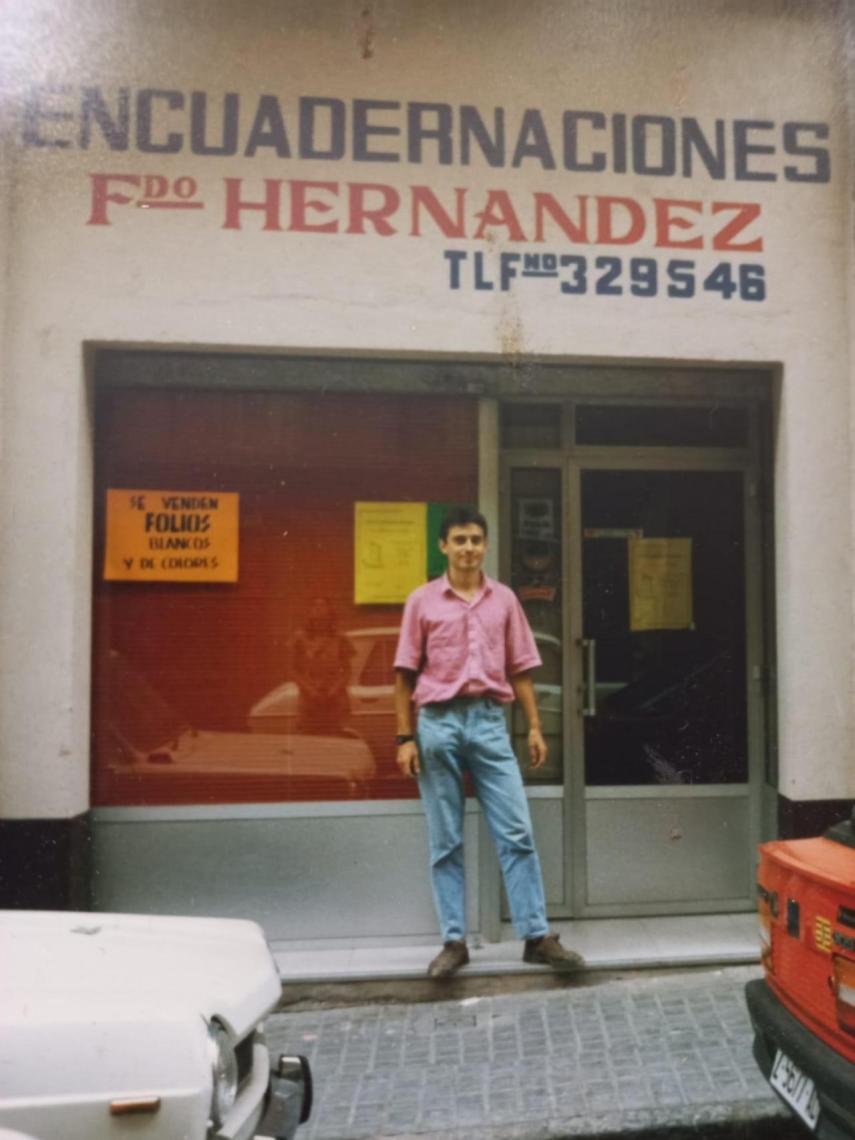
point(177, 277)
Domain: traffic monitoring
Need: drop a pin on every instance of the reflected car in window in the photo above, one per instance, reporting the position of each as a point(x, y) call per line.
point(680, 720)
point(372, 696)
point(143, 741)
point(118, 1025)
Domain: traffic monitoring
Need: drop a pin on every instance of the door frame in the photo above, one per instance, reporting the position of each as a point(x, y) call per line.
point(571, 460)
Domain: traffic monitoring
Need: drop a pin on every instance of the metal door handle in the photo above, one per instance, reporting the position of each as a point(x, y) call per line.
point(589, 648)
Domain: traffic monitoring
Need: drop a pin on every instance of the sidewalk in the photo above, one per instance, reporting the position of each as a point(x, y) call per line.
point(642, 1055)
point(605, 943)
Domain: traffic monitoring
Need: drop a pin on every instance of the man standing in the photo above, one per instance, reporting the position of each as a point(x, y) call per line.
point(464, 652)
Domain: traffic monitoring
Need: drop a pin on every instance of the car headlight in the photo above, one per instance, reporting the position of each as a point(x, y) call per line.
point(224, 1070)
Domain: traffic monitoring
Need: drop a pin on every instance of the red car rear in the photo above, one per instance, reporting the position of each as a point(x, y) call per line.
point(803, 1010)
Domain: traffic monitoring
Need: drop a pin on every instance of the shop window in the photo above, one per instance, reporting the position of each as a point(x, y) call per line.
point(378, 667)
point(658, 426)
point(276, 686)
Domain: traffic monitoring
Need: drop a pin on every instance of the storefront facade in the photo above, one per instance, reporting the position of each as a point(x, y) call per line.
point(271, 305)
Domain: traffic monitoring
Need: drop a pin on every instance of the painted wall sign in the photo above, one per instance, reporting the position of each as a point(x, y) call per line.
point(602, 243)
point(171, 536)
point(161, 120)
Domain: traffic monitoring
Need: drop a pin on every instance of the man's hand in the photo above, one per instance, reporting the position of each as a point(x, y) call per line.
point(537, 749)
point(523, 687)
point(408, 758)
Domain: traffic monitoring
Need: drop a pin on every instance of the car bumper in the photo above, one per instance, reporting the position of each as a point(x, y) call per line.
point(289, 1098)
point(776, 1028)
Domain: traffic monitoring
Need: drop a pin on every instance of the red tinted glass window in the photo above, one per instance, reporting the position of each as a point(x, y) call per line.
point(276, 687)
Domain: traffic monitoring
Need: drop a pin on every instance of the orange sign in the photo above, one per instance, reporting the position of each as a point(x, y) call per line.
point(171, 536)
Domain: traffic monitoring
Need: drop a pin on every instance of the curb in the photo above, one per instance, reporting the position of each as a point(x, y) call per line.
point(739, 1121)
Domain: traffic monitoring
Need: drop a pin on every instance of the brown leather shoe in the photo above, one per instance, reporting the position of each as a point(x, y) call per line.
point(448, 961)
point(548, 951)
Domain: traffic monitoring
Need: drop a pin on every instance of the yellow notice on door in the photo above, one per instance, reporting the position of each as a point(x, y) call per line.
point(171, 536)
point(660, 583)
point(390, 555)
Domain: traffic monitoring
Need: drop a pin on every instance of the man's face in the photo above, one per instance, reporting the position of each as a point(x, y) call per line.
point(464, 547)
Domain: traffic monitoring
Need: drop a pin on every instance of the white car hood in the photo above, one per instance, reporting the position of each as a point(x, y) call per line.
point(282, 700)
point(257, 754)
point(57, 967)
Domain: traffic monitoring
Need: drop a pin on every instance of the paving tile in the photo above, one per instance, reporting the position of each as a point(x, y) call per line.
point(587, 1060)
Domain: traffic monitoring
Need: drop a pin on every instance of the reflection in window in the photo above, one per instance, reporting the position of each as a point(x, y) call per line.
point(379, 664)
point(536, 551)
point(276, 687)
point(657, 425)
point(321, 672)
point(670, 702)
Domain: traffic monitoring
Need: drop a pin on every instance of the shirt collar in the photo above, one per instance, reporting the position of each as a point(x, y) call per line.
point(486, 586)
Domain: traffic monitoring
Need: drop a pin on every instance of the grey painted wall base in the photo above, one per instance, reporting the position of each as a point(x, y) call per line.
point(665, 851)
point(347, 876)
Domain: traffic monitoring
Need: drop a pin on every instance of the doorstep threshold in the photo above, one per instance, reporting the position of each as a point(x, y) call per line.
point(605, 944)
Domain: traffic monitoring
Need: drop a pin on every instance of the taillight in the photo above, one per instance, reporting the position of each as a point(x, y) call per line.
point(767, 910)
point(765, 937)
point(843, 987)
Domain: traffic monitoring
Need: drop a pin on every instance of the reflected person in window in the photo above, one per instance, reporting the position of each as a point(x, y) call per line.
point(465, 652)
point(322, 661)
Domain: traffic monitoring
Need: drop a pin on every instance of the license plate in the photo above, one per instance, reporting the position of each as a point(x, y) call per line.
point(797, 1089)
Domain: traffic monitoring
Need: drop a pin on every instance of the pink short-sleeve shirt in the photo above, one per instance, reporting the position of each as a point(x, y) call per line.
point(464, 649)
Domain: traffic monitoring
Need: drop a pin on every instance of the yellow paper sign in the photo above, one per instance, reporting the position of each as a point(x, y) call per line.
point(171, 536)
point(390, 551)
point(660, 583)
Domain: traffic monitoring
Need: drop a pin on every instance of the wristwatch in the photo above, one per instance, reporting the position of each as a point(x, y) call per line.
point(404, 738)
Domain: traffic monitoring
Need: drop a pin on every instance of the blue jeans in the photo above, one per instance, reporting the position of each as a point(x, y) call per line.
point(471, 734)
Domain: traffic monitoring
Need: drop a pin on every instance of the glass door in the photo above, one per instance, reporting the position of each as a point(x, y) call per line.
point(664, 818)
point(633, 535)
point(663, 627)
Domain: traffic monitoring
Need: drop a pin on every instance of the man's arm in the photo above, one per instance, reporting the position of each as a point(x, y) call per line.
point(408, 755)
point(523, 687)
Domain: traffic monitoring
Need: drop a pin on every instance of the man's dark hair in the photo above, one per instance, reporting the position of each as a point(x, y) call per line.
point(461, 516)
